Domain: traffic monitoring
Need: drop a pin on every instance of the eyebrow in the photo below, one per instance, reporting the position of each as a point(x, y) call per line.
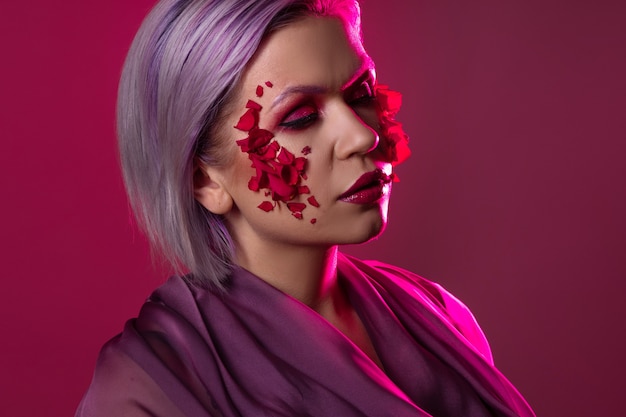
point(298, 89)
point(366, 73)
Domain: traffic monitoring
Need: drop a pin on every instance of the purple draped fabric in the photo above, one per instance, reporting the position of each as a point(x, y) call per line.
point(254, 351)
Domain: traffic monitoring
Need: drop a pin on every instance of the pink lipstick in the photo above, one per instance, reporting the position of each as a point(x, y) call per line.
point(368, 188)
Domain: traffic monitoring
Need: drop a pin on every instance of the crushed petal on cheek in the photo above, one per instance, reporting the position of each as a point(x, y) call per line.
point(279, 174)
point(312, 201)
point(253, 105)
point(296, 207)
point(300, 164)
point(285, 157)
point(248, 120)
point(253, 184)
point(266, 206)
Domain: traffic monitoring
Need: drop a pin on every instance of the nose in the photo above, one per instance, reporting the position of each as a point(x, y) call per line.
point(354, 135)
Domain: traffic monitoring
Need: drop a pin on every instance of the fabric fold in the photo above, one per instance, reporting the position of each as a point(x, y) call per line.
point(254, 351)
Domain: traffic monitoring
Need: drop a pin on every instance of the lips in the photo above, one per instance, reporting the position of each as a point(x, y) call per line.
point(368, 188)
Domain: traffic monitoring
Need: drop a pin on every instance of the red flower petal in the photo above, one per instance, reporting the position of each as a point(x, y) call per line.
point(278, 171)
point(281, 191)
point(388, 100)
point(289, 174)
point(243, 144)
point(393, 130)
point(300, 164)
point(394, 143)
point(268, 152)
point(296, 207)
point(402, 152)
point(266, 206)
point(312, 201)
point(261, 165)
point(263, 181)
point(258, 138)
point(253, 184)
point(248, 121)
point(285, 157)
point(253, 105)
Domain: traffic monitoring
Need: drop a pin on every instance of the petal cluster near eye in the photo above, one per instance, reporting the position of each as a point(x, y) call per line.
point(395, 145)
point(279, 172)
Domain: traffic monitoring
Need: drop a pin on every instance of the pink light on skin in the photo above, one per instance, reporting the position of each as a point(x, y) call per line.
point(279, 172)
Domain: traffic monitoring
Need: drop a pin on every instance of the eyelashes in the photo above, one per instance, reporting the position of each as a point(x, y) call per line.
point(306, 115)
point(363, 94)
point(301, 118)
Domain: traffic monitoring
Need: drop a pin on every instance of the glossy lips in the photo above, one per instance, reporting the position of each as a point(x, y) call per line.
point(369, 188)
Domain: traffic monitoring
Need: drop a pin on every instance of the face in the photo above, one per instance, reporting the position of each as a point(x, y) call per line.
point(305, 109)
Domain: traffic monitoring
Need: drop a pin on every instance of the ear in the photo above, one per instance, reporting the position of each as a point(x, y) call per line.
point(209, 190)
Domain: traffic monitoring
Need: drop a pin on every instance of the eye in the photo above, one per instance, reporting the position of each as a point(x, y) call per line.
point(362, 95)
point(300, 118)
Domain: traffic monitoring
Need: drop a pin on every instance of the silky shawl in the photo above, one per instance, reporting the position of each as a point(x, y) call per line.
point(253, 351)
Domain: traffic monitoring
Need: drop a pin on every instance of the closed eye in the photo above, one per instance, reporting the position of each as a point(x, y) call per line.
point(362, 95)
point(300, 118)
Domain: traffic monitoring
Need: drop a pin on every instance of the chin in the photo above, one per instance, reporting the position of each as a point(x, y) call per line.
point(373, 228)
point(376, 231)
point(366, 233)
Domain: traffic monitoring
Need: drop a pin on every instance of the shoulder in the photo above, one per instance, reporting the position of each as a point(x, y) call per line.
point(450, 308)
point(121, 387)
point(145, 370)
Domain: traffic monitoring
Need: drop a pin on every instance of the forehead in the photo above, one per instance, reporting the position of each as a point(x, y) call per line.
point(311, 51)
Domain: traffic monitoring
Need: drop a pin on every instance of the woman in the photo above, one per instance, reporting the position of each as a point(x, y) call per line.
point(254, 140)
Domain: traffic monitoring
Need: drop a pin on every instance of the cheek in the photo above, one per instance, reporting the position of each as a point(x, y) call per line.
point(279, 176)
point(370, 117)
point(394, 143)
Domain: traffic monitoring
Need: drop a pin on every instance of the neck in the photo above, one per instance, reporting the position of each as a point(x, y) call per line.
point(308, 274)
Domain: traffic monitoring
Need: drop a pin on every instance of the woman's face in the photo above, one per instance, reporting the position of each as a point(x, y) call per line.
point(309, 136)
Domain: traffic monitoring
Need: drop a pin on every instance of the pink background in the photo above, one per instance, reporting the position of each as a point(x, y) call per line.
point(514, 198)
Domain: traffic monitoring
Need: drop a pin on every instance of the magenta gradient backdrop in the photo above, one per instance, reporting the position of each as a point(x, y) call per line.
point(514, 198)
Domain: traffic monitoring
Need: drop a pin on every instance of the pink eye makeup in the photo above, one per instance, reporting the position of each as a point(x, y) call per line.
point(301, 118)
point(279, 174)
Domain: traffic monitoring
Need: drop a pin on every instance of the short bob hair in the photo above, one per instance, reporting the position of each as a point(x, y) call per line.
point(183, 65)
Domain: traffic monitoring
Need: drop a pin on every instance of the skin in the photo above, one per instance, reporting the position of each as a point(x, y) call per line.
point(316, 68)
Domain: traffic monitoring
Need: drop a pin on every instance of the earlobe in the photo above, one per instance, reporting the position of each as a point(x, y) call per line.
point(209, 190)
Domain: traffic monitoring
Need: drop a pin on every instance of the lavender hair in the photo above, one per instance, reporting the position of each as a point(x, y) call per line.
point(182, 67)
